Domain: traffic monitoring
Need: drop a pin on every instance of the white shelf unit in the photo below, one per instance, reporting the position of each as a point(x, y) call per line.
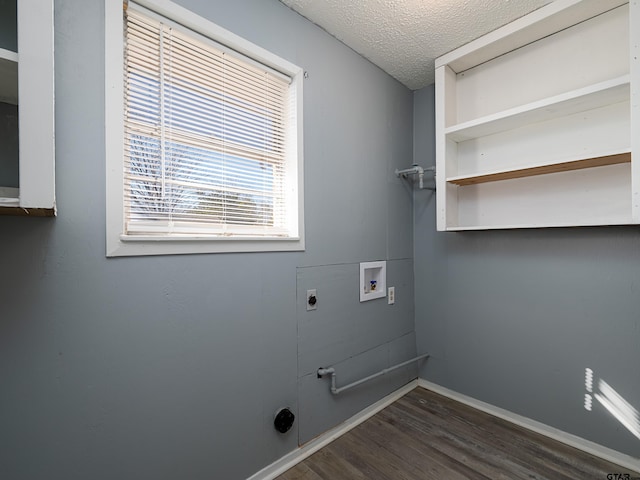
point(534, 121)
point(27, 80)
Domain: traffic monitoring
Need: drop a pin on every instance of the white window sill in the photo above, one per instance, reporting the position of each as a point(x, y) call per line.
point(128, 245)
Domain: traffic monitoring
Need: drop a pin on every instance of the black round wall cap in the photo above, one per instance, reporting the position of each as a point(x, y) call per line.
point(284, 420)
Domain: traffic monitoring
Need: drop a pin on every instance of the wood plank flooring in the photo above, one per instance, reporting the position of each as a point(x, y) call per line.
point(427, 436)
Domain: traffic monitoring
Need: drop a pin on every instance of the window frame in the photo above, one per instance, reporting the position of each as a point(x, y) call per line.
point(118, 244)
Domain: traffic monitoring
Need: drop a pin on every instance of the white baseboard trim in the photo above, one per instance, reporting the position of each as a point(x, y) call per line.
point(587, 446)
point(293, 458)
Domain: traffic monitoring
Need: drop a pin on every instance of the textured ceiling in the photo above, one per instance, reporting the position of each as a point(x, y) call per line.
point(404, 37)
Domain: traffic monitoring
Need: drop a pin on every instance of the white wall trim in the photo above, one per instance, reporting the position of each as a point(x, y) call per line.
point(293, 458)
point(587, 446)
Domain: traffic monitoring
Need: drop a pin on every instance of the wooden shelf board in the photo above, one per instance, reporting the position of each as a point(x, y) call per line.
point(568, 166)
point(594, 96)
point(27, 212)
point(10, 205)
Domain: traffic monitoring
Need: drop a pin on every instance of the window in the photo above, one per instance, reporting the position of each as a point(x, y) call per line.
point(204, 150)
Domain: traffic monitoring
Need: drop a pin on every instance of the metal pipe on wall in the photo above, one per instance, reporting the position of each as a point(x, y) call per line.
point(416, 169)
point(335, 390)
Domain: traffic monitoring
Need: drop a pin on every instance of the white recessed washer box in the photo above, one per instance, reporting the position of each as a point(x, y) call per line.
point(373, 280)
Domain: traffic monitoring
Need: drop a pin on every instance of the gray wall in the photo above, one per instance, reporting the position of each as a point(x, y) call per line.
point(9, 163)
point(173, 367)
point(8, 113)
point(513, 318)
point(8, 25)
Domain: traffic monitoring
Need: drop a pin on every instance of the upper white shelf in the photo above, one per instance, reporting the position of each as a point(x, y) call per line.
point(9, 197)
point(8, 55)
point(9, 202)
point(580, 100)
point(540, 23)
point(8, 76)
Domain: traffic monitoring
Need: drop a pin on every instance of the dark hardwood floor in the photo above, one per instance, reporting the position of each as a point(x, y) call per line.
point(427, 436)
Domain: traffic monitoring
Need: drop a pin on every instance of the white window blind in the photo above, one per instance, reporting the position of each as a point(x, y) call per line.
point(205, 137)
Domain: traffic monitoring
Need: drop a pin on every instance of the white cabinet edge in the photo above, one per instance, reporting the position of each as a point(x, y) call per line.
point(36, 103)
point(634, 67)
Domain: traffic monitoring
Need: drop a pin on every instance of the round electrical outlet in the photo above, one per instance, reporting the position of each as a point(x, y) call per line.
point(284, 420)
